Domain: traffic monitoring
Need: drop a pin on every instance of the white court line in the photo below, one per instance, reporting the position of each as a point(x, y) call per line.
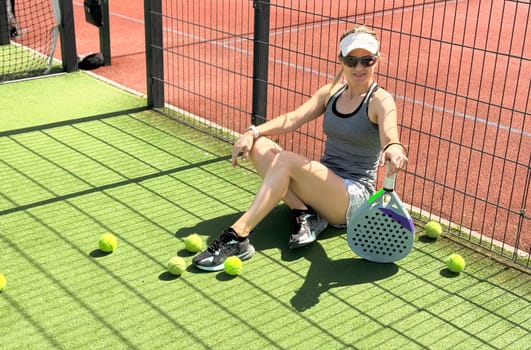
point(229, 45)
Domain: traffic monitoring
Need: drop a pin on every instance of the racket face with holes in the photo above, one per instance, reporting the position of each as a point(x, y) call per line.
point(381, 230)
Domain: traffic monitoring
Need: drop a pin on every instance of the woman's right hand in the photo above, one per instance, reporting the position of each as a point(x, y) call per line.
point(243, 146)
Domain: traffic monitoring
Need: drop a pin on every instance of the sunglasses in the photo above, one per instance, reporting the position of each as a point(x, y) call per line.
point(352, 62)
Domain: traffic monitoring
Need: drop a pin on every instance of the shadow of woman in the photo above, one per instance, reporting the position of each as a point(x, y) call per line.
point(325, 274)
point(210, 228)
point(272, 232)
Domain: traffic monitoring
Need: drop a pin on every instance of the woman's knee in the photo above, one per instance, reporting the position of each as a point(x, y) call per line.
point(264, 148)
point(289, 162)
point(263, 153)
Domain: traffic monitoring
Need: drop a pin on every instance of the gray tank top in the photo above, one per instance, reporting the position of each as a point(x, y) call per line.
point(352, 146)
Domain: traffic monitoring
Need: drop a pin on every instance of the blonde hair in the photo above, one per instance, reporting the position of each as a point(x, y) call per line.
point(358, 29)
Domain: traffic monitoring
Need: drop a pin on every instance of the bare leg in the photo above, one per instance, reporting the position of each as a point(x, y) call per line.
point(293, 178)
point(262, 155)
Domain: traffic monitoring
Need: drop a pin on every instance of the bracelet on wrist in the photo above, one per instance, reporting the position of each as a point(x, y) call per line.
point(404, 148)
point(254, 129)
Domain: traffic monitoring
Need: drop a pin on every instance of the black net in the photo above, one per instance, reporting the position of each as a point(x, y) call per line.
point(29, 32)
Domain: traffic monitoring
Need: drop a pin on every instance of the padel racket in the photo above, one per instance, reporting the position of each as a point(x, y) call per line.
point(381, 229)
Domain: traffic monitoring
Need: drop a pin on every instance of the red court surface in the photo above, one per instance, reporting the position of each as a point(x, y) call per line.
point(445, 131)
point(128, 66)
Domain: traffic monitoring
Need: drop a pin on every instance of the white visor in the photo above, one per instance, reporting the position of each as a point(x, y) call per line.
point(359, 40)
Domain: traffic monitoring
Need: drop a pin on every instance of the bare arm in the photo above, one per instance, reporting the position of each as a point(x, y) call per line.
point(309, 110)
point(385, 113)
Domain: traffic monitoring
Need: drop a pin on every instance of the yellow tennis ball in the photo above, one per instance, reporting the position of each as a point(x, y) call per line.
point(233, 265)
point(193, 243)
point(176, 265)
point(108, 242)
point(433, 229)
point(3, 283)
point(455, 263)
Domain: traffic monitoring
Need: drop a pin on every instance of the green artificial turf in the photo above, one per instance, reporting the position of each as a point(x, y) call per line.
point(58, 98)
point(152, 181)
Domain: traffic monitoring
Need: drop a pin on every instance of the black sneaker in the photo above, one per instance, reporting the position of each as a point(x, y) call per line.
point(307, 226)
point(228, 244)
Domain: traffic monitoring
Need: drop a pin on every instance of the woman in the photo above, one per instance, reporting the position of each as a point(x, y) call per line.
point(360, 123)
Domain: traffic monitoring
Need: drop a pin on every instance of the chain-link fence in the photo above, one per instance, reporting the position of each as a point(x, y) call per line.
point(460, 72)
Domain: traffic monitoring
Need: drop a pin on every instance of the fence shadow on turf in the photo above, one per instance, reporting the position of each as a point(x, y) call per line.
point(72, 121)
point(50, 209)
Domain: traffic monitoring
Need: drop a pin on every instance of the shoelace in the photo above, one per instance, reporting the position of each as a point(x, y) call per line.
point(214, 246)
point(302, 219)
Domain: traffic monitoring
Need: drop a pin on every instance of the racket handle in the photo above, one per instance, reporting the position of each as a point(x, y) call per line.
point(389, 181)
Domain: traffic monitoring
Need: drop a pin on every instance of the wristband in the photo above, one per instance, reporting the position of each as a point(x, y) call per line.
point(395, 143)
point(254, 129)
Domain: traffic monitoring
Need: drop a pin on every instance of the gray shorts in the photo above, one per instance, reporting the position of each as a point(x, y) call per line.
point(357, 193)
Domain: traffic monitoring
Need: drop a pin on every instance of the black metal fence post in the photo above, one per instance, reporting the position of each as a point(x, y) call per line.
point(105, 33)
point(4, 23)
point(68, 36)
point(260, 60)
point(97, 13)
point(154, 53)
